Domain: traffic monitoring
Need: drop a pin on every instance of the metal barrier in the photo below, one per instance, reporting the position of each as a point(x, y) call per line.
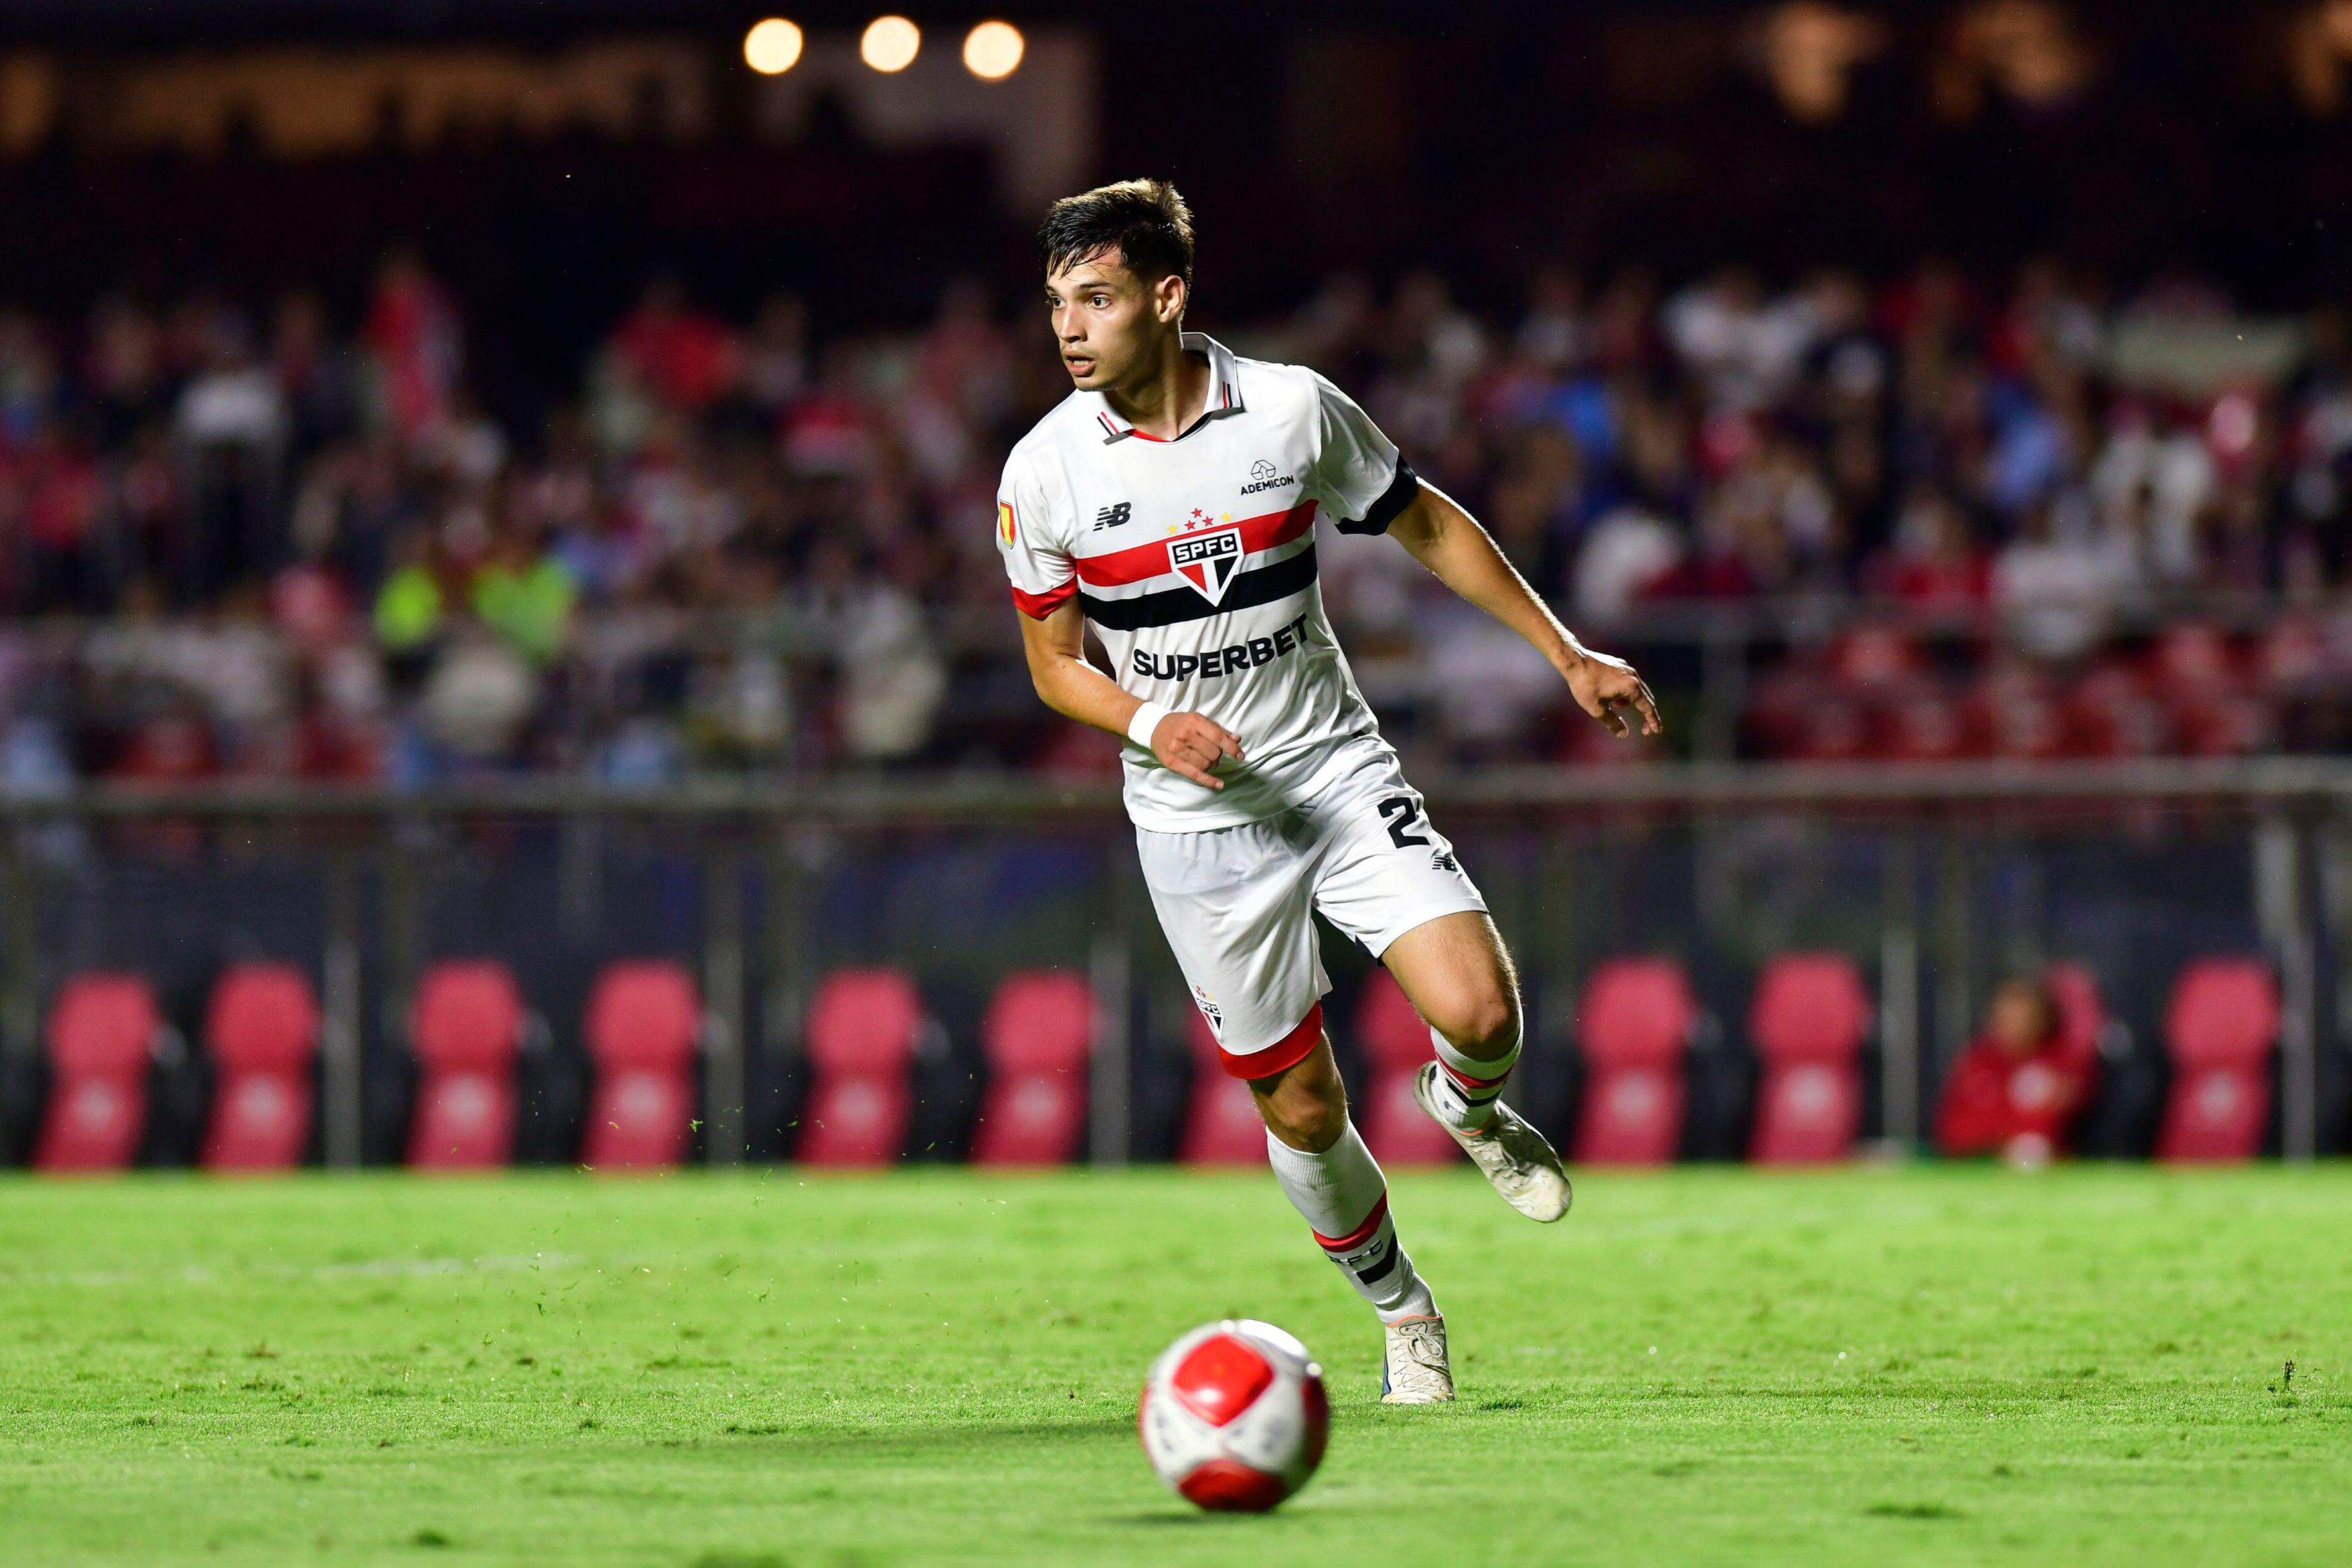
point(1935, 876)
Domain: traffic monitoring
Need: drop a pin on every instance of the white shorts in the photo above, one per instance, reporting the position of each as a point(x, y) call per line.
point(1238, 904)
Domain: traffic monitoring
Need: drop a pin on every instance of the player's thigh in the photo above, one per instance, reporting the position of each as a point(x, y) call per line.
point(1380, 867)
point(1458, 973)
point(1389, 878)
point(1238, 913)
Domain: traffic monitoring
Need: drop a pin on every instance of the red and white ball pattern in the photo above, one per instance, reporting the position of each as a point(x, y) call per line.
point(1233, 1415)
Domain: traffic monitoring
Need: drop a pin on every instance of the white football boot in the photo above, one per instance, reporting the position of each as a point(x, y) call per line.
point(1415, 1371)
point(1518, 1161)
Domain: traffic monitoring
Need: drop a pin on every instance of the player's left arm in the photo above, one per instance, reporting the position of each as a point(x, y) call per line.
point(1465, 557)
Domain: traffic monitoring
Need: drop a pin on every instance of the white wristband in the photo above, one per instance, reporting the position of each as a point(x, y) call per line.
point(1147, 719)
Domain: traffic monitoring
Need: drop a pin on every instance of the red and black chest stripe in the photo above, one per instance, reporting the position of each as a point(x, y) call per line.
point(1196, 597)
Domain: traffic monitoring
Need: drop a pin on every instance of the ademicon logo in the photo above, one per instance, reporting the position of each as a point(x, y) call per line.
point(1264, 476)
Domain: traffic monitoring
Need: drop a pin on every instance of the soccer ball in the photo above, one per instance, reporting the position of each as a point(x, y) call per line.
point(1233, 1415)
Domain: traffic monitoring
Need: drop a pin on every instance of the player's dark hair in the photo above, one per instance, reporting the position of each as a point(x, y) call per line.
point(1145, 221)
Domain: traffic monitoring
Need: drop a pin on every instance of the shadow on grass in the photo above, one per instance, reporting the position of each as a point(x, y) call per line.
point(868, 1443)
point(1176, 1517)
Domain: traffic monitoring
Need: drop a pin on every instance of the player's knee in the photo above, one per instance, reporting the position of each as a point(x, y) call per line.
point(1481, 1021)
point(1306, 1113)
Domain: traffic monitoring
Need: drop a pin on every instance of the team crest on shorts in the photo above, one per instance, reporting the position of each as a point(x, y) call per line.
point(1211, 1011)
point(1207, 561)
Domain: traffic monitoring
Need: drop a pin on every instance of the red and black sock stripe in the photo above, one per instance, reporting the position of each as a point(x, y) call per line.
point(1369, 1251)
point(1477, 1096)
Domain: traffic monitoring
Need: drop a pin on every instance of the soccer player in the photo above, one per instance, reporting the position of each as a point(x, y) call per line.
point(1172, 502)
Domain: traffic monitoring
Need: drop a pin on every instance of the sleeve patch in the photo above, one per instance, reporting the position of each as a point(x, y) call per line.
point(1006, 532)
point(1394, 499)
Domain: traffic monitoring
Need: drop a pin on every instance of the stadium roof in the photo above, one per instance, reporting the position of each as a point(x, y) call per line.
point(146, 23)
point(195, 21)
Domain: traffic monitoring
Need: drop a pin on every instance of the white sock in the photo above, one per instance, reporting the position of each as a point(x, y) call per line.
point(1345, 1201)
point(1467, 1087)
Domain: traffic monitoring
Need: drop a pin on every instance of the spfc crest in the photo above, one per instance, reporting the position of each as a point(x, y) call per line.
point(1209, 1011)
point(1207, 561)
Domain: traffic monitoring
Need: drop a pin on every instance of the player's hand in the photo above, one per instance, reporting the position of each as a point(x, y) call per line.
point(1607, 687)
point(1191, 745)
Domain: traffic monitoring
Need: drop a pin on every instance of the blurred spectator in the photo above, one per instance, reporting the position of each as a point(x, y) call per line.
point(526, 596)
point(408, 606)
point(753, 545)
point(2016, 1089)
point(412, 335)
point(2055, 586)
point(480, 696)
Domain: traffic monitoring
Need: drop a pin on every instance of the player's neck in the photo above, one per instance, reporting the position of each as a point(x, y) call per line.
point(1166, 398)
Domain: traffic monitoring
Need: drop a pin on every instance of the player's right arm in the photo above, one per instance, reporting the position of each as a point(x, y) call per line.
point(1056, 645)
point(1052, 638)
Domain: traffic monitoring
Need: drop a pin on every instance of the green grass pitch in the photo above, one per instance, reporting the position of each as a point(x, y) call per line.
point(1867, 1366)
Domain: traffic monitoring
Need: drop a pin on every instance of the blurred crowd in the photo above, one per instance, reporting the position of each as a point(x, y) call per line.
point(275, 543)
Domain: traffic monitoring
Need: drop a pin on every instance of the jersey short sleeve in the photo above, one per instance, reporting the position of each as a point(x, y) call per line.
point(1035, 560)
point(1360, 470)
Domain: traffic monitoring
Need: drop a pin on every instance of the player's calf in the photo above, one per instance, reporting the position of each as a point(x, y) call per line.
point(1459, 976)
point(1335, 1185)
point(1460, 979)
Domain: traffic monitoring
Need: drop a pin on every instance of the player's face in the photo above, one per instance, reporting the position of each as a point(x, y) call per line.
point(1108, 323)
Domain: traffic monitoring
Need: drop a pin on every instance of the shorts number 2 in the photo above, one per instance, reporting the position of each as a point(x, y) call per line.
point(1403, 815)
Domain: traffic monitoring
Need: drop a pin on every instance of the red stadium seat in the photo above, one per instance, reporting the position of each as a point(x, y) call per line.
point(2082, 1018)
point(1633, 1026)
point(2020, 716)
point(1038, 1037)
point(1921, 724)
point(1396, 1046)
point(2225, 724)
point(1832, 728)
point(1875, 658)
point(862, 1027)
point(102, 1035)
point(465, 1027)
point(2194, 656)
point(642, 1028)
point(2293, 656)
point(1810, 1017)
point(2219, 1030)
point(261, 1032)
point(1221, 1126)
point(2113, 715)
point(1799, 712)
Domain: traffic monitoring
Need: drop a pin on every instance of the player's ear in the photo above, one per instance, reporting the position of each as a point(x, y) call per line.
point(1168, 299)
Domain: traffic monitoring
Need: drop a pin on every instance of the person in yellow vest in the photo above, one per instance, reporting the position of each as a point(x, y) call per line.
point(526, 594)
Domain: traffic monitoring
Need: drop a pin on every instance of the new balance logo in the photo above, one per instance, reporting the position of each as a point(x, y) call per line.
point(1442, 860)
point(1114, 516)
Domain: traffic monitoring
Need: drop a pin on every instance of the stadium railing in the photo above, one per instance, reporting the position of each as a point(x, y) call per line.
point(1934, 876)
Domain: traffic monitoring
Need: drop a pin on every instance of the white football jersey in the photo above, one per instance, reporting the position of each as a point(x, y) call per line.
point(1195, 560)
